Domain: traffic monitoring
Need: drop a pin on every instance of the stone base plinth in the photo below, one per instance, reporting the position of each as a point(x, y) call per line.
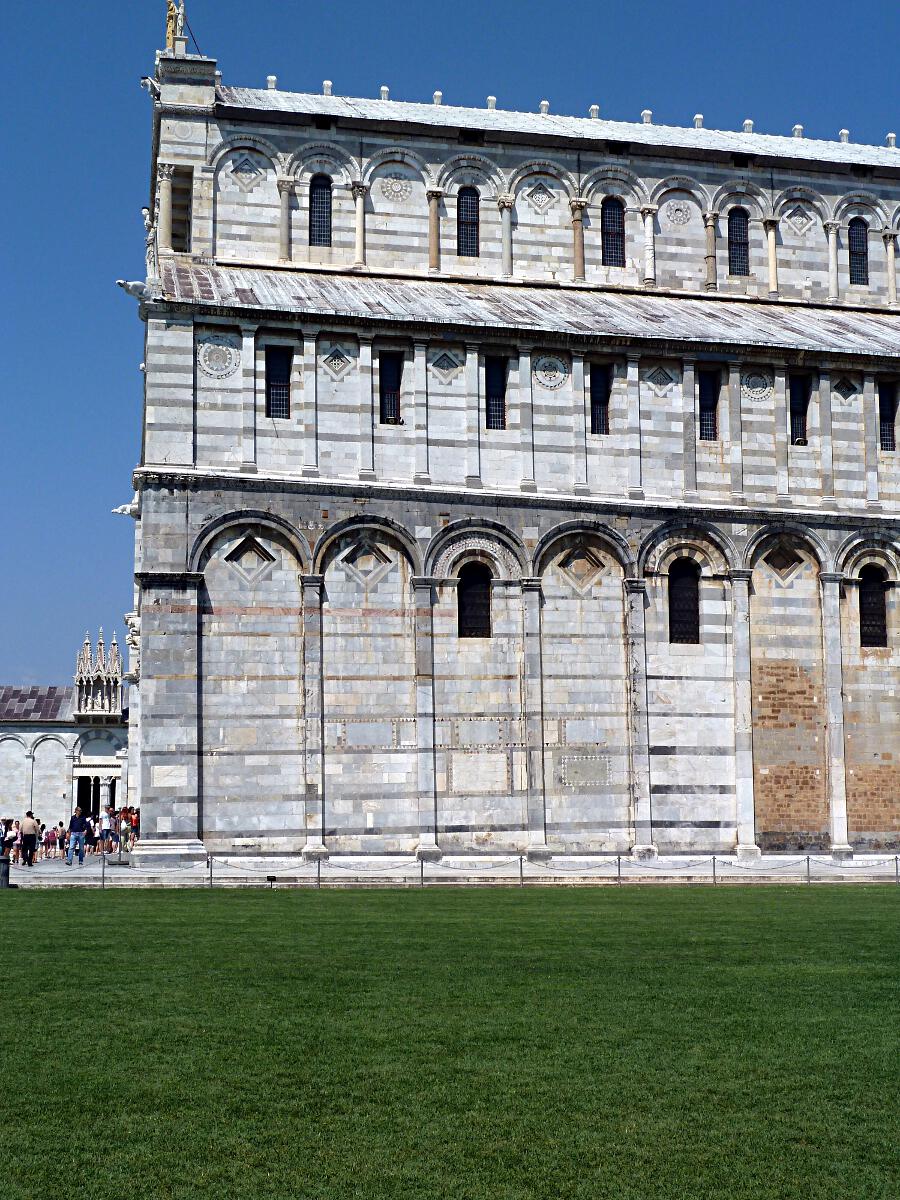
point(315, 851)
point(748, 853)
point(150, 853)
point(841, 853)
point(429, 852)
point(644, 852)
point(539, 854)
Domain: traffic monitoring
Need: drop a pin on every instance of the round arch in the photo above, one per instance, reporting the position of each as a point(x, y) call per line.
point(322, 158)
point(246, 141)
point(807, 195)
point(397, 154)
point(53, 737)
point(361, 524)
point(540, 166)
point(743, 194)
point(471, 169)
point(703, 543)
point(681, 183)
point(862, 204)
point(616, 545)
point(631, 188)
point(809, 540)
point(471, 537)
point(872, 549)
point(14, 737)
point(242, 518)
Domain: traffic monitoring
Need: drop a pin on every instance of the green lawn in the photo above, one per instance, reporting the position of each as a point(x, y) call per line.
point(654, 1043)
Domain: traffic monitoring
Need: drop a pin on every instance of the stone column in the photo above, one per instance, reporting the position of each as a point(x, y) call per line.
point(360, 191)
point(635, 475)
point(248, 398)
point(424, 592)
point(538, 850)
point(171, 720)
point(638, 723)
point(73, 782)
point(314, 715)
point(473, 416)
point(827, 450)
point(834, 710)
point(582, 419)
point(164, 174)
point(743, 718)
point(105, 781)
point(434, 228)
point(831, 231)
point(735, 433)
point(890, 256)
point(712, 274)
point(782, 484)
point(285, 192)
point(420, 378)
point(505, 204)
point(366, 411)
point(526, 421)
point(689, 427)
point(770, 224)
point(577, 205)
point(648, 213)
point(870, 432)
point(310, 402)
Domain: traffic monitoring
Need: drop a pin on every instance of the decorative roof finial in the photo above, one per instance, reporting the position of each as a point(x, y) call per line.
point(175, 19)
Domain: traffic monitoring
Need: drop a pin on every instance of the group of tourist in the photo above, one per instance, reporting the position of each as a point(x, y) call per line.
point(29, 840)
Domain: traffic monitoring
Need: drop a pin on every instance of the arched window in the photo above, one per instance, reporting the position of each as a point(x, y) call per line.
point(858, 241)
point(320, 211)
point(872, 607)
point(473, 598)
point(467, 222)
point(684, 602)
point(612, 232)
point(738, 242)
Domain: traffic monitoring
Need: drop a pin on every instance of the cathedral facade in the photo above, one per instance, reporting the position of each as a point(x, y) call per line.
point(512, 482)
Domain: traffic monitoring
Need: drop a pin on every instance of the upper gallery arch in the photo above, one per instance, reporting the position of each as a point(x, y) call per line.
point(570, 533)
point(366, 527)
point(543, 168)
point(615, 181)
point(242, 522)
point(471, 170)
point(472, 538)
point(245, 141)
point(697, 540)
point(681, 183)
point(799, 536)
point(402, 157)
point(741, 193)
point(865, 205)
point(323, 158)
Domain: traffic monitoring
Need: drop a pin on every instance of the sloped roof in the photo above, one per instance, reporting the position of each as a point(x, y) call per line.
point(36, 703)
point(502, 122)
point(575, 313)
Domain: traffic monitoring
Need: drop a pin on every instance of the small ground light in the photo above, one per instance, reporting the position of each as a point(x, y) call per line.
point(270, 880)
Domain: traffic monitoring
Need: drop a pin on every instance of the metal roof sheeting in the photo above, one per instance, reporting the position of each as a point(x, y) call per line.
point(499, 122)
point(571, 312)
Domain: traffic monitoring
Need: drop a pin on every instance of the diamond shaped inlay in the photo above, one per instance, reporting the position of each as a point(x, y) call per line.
point(800, 218)
point(581, 567)
point(660, 378)
point(336, 361)
point(250, 559)
point(366, 562)
point(540, 197)
point(783, 560)
point(845, 388)
point(246, 172)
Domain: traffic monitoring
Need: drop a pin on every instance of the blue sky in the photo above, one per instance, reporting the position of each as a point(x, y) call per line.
point(75, 141)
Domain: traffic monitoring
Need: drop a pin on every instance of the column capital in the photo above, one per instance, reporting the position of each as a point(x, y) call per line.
point(420, 344)
point(505, 202)
point(710, 217)
point(286, 185)
point(770, 223)
point(434, 193)
point(633, 356)
point(577, 206)
point(636, 585)
point(425, 582)
point(358, 188)
point(312, 582)
point(888, 235)
point(740, 575)
point(165, 170)
point(832, 577)
point(831, 226)
point(649, 210)
point(247, 329)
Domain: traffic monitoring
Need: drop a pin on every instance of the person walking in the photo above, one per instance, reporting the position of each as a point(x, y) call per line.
point(78, 827)
point(30, 831)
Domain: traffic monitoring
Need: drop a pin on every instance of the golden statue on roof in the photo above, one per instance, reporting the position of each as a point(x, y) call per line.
point(174, 22)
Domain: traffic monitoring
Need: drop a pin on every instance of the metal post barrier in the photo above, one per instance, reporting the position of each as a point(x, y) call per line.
point(209, 863)
point(618, 868)
point(808, 880)
point(103, 870)
point(897, 867)
point(521, 873)
point(318, 872)
point(714, 870)
point(421, 872)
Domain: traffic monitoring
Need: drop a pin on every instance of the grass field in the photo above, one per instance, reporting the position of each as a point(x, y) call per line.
point(469, 1044)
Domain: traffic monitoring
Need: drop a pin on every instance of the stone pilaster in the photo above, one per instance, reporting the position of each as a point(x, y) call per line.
point(834, 712)
point(712, 275)
point(164, 174)
point(770, 224)
point(827, 445)
point(743, 718)
point(248, 398)
point(434, 228)
point(890, 258)
point(538, 849)
point(473, 373)
point(638, 722)
point(831, 232)
point(366, 411)
point(310, 402)
point(577, 205)
point(424, 592)
point(635, 470)
point(314, 712)
point(526, 421)
point(689, 427)
point(582, 423)
point(782, 484)
point(735, 433)
point(870, 428)
point(360, 190)
point(505, 204)
point(285, 193)
point(171, 787)
point(420, 377)
point(648, 215)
